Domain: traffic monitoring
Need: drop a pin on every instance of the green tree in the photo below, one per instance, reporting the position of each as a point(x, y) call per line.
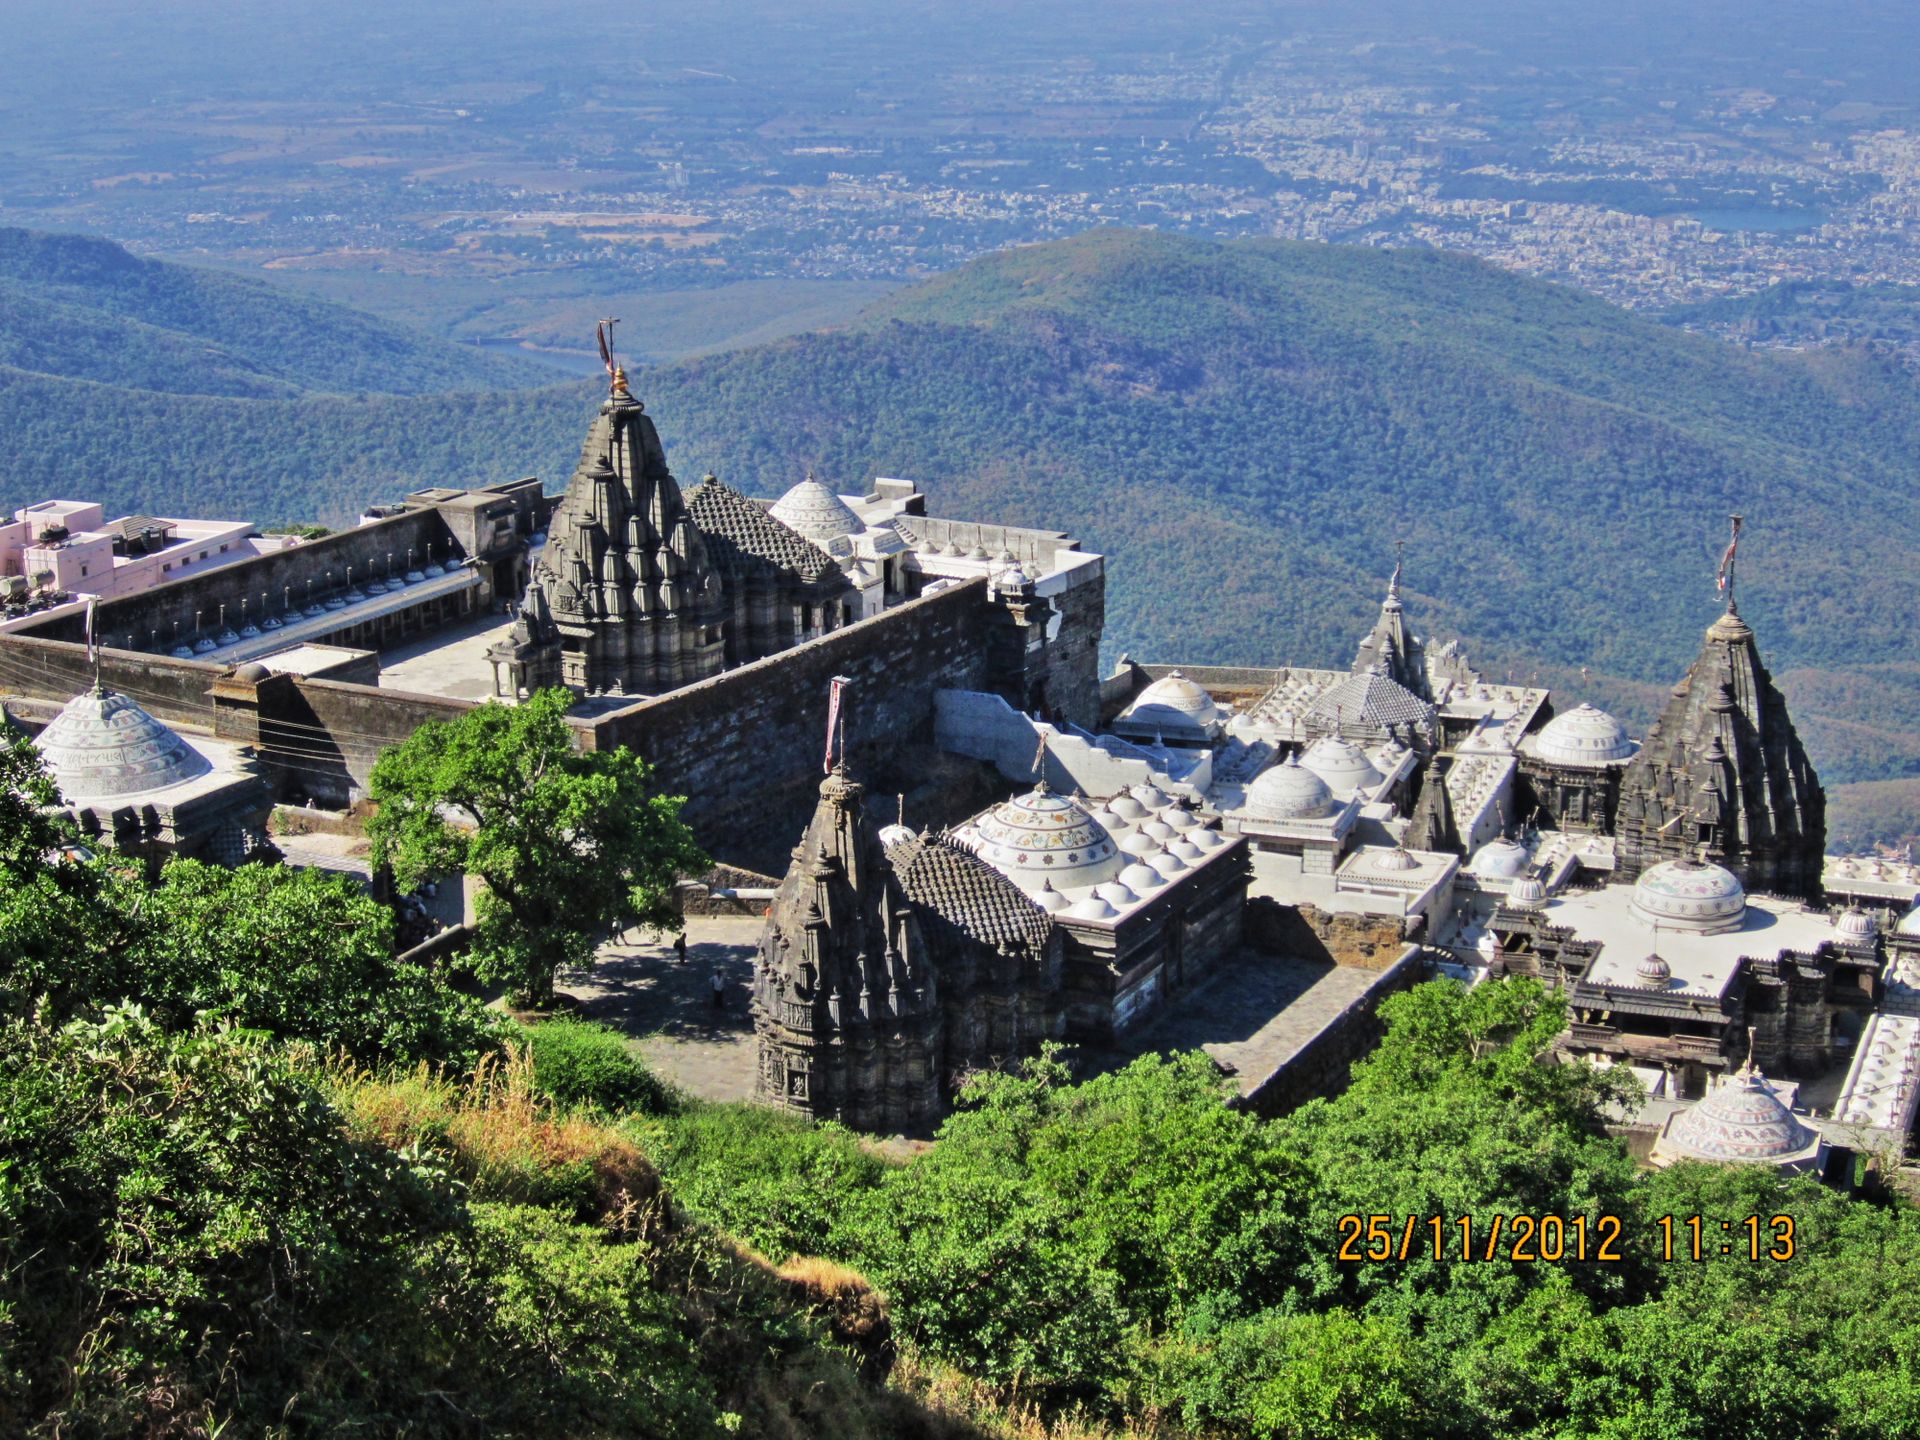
point(568, 842)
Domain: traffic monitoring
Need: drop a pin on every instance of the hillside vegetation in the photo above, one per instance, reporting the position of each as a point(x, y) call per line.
point(1248, 427)
point(77, 308)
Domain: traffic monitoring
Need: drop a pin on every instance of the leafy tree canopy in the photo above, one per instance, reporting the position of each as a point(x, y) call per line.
point(568, 843)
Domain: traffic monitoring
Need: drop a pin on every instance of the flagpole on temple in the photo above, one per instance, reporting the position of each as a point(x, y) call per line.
point(836, 723)
point(1724, 580)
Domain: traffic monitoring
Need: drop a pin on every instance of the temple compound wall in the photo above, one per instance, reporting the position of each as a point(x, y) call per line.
point(746, 747)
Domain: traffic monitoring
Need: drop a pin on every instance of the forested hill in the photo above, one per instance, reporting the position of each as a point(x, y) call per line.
point(78, 308)
point(1247, 427)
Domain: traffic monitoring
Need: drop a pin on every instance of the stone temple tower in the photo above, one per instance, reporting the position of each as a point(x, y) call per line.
point(1722, 776)
point(847, 1011)
point(624, 600)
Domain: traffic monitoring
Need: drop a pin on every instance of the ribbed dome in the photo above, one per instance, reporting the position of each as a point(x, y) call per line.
point(103, 746)
point(1288, 791)
point(1740, 1121)
point(1040, 837)
point(1501, 859)
point(1343, 765)
point(814, 511)
point(1584, 737)
point(1690, 895)
point(1855, 927)
point(1528, 893)
point(1175, 703)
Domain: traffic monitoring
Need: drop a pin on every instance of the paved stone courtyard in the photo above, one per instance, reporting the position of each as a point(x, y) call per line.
point(451, 662)
point(1253, 1014)
point(639, 986)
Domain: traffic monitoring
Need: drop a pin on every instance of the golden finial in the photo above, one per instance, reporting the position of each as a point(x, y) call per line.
point(620, 380)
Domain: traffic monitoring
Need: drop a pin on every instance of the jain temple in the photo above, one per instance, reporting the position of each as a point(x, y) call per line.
point(1010, 844)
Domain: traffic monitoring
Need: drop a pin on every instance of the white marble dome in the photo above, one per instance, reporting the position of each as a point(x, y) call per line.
point(1288, 791)
point(816, 512)
point(1173, 702)
point(1855, 927)
point(103, 746)
point(1740, 1121)
point(1041, 837)
point(1342, 764)
point(1501, 859)
point(1584, 737)
point(1690, 895)
point(1528, 893)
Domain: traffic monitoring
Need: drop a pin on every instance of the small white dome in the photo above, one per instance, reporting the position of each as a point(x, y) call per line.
point(1173, 702)
point(1653, 972)
point(1343, 765)
point(1528, 893)
point(1136, 843)
point(1501, 859)
point(1690, 895)
point(1050, 899)
point(1288, 791)
point(1584, 737)
point(1093, 907)
point(1116, 894)
point(1151, 795)
point(1167, 863)
point(816, 512)
point(1855, 927)
point(1126, 807)
point(892, 835)
point(1140, 877)
point(1040, 837)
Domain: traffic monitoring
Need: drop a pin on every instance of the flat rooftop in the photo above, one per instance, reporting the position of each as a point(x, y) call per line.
point(1703, 966)
point(451, 662)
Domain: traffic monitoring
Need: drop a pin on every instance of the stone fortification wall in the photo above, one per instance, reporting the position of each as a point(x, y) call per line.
point(363, 549)
point(745, 747)
point(323, 736)
point(1323, 1066)
point(171, 690)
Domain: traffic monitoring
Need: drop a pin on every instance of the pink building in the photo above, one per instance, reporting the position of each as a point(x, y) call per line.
point(66, 550)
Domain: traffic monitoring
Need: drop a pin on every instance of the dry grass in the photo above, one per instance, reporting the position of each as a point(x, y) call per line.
point(973, 1408)
point(506, 1141)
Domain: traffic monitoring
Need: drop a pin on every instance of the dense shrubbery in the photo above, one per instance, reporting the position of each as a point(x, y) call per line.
point(579, 1063)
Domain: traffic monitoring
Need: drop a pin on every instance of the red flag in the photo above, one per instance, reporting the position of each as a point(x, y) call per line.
point(833, 718)
point(1725, 577)
point(606, 352)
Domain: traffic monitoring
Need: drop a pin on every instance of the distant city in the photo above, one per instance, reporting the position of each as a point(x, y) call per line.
point(1653, 170)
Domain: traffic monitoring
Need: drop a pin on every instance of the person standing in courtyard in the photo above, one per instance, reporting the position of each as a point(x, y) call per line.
point(719, 984)
point(680, 948)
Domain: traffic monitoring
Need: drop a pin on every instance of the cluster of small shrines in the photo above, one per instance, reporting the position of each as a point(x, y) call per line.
point(1675, 888)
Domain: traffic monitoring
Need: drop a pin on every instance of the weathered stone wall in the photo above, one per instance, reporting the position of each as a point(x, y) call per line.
point(1323, 1066)
point(745, 747)
point(319, 738)
point(1371, 942)
point(172, 690)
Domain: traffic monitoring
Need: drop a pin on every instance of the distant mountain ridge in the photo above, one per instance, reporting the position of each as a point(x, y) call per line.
point(80, 308)
point(1248, 428)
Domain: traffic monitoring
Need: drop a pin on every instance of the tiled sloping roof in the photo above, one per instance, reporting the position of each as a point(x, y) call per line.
point(735, 527)
point(967, 893)
point(1372, 700)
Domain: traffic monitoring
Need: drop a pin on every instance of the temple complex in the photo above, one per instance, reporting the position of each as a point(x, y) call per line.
point(1090, 847)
